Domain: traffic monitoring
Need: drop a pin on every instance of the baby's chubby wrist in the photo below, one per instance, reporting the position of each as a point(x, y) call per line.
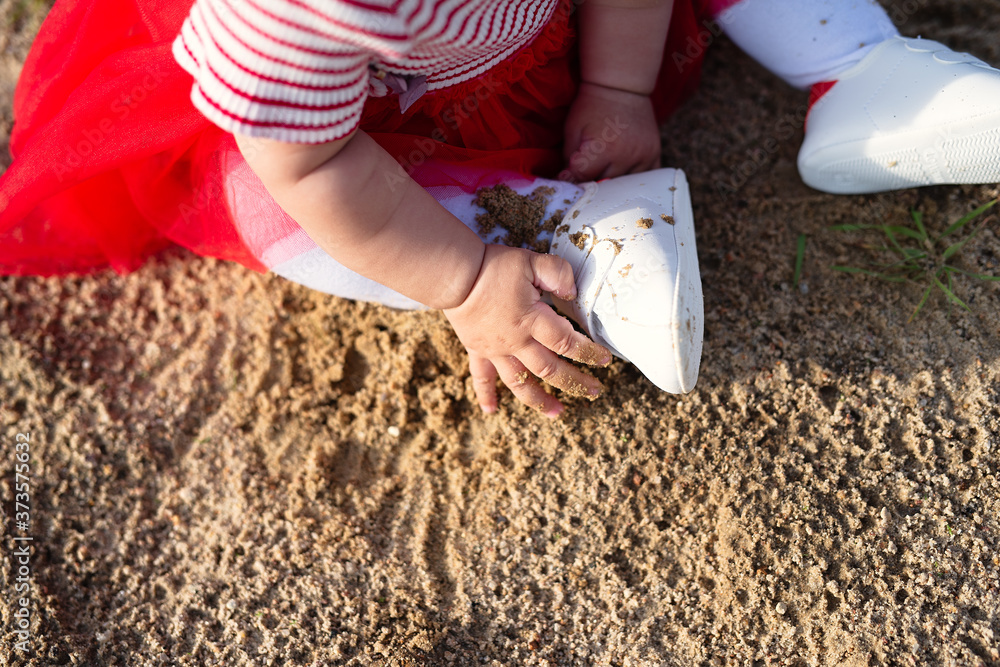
point(458, 283)
point(611, 91)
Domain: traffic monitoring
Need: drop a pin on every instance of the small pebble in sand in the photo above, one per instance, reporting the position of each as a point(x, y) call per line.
point(781, 608)
point(884, 514)
point(231, 605)
point(393, 431)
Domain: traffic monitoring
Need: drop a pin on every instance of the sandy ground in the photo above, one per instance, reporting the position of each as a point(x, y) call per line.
point(227, 469)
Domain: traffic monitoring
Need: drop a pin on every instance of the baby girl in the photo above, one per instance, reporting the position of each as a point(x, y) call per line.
point(346, 141)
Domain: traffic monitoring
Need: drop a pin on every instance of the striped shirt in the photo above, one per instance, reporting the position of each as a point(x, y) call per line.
point(301, 70)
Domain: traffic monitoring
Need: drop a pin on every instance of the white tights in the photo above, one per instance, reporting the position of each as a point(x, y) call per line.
point(806, 42)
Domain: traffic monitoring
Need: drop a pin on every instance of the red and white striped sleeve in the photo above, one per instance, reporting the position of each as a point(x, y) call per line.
point(281, 69)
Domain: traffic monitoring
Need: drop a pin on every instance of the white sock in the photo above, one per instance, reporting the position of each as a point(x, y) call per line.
point(807, 42)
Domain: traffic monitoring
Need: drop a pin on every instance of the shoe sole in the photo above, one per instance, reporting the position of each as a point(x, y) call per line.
point(965, 155)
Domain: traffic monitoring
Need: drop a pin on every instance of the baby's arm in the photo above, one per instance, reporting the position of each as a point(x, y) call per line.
point(392, 231)
point(611, 129)
point(387, 229)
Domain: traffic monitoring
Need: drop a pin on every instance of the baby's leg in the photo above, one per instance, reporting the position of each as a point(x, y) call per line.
point(886, 112)
point(805, 42)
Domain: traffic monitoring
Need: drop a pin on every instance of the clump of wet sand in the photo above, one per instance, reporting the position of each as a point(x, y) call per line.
point(522, 217)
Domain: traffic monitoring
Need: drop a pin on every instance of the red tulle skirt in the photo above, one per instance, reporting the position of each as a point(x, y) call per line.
point(113, 163)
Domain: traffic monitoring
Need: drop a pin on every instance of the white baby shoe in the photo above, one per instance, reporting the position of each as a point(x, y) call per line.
point(630, 241)
point(911, 113)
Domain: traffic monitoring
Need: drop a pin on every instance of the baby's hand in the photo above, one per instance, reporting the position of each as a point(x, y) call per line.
point(507, 329)
point(610, 132)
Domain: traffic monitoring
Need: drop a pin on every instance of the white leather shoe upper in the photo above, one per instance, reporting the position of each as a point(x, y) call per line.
point(911, 113)
point(631, 244)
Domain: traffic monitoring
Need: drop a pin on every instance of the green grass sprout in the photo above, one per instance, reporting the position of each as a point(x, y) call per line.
point(800, 255)
point(920, 257)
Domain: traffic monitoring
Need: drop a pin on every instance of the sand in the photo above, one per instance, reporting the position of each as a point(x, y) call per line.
point(227, 469)
point(520, 216)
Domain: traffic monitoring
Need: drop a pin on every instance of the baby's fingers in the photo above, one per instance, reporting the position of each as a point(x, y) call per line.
point(552, 274)
point(560, 373)
point(525, 387)
point(557, 334)
point(484, 378)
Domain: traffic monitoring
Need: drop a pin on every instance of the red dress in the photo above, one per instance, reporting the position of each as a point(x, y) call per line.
point(112, 162)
